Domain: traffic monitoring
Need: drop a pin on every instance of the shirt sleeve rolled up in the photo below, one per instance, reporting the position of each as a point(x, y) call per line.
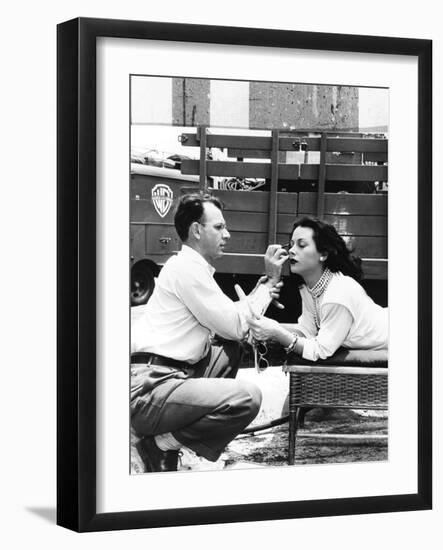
point(216, 311)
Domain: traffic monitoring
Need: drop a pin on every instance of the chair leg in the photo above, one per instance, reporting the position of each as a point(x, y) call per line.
point(294, 418)
point(303, 413)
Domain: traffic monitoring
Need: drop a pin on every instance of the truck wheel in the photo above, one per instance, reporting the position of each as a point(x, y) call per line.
point(142, 284)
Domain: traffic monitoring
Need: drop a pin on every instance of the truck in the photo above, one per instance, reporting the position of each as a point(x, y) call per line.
point(265, 182)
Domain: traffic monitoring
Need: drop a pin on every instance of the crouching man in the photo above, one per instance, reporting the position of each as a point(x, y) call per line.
point(183, 386)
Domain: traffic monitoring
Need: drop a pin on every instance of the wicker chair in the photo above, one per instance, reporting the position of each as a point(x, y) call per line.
point(352, 379)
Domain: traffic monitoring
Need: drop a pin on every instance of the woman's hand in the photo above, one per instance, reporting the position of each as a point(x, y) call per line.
point(263, 328)
point(274, 290)
point(275, 257)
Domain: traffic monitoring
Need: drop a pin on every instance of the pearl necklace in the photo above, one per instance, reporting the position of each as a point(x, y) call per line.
point(317, 290)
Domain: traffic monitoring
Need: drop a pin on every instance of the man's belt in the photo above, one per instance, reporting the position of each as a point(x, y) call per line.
point(159, 360)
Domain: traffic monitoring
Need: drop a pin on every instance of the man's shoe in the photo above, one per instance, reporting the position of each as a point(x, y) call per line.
point(154, 458)
point(189, 460)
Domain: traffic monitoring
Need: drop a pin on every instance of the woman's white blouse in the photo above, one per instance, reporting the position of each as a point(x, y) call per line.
point(348, 318)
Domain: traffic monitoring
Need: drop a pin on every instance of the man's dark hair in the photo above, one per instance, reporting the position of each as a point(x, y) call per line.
point(189, 210)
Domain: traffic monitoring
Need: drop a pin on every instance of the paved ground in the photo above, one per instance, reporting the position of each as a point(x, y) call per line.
point(271, 447)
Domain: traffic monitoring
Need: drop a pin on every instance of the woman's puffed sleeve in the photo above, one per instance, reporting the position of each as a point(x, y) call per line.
point(336, 321)
point(306, 324)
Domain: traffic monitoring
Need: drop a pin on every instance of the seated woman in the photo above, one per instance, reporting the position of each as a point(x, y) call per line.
point(336, 311)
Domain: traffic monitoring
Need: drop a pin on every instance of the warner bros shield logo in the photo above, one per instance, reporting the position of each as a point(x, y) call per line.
point(162, 197)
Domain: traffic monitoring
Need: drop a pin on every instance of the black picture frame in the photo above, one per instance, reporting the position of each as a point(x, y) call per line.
point(76, 264)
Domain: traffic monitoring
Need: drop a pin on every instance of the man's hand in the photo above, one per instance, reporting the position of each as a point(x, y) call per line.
point(252, 314)
point(275, 257)
point(263, 328)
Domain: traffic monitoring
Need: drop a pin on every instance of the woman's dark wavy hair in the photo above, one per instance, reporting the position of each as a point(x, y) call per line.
point(190, 209)
point(329, 243)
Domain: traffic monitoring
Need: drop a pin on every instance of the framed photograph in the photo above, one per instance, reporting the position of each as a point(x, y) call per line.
point(275, 126)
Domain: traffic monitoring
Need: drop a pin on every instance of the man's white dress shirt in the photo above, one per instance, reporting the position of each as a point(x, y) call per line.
point(187, 307)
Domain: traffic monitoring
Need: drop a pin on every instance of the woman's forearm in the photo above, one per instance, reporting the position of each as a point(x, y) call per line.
point(293, 328)
point(283, 336)
point(286, 337)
